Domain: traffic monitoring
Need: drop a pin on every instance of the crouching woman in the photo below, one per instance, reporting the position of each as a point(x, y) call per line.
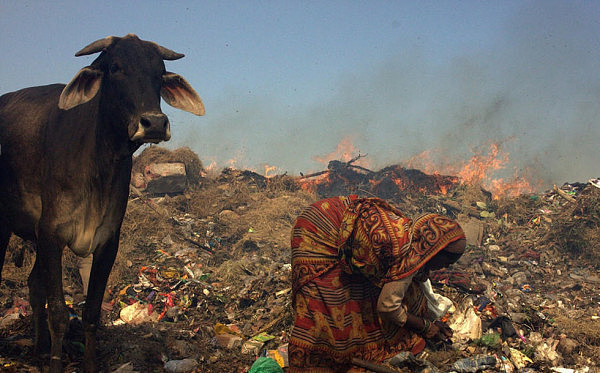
point(356, 268)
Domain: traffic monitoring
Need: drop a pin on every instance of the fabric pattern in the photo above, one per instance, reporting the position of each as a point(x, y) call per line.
point(343, 250)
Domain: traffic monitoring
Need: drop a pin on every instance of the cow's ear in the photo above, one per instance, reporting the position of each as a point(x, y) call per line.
point(180, 94)
point(82, 88)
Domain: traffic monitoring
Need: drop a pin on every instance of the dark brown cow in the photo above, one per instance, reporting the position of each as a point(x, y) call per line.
point(65, 166)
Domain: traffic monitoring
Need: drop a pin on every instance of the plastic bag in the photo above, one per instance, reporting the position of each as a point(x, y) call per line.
point(437, 304)
point(475, 364)
point(265, 365)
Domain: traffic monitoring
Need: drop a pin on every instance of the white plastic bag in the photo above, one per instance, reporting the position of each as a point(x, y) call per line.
point(465, 323)
point(437, 304)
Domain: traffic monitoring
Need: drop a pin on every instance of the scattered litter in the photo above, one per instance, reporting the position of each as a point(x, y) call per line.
point(265, 365)
point(181, 366)
point(475, 364)
point(205, 274)
point(519, 359)
point(465, 323)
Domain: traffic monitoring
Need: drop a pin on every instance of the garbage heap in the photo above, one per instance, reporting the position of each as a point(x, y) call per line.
point(202, 279)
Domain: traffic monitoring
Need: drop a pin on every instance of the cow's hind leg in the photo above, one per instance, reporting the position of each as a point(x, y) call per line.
point(37, 299)
point(4, 238)
point(49, 275)
point(103, 261)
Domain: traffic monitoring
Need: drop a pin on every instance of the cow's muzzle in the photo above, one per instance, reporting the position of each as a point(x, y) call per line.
point(152, 127)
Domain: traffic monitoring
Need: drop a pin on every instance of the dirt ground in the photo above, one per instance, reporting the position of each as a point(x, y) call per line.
point(219, 254)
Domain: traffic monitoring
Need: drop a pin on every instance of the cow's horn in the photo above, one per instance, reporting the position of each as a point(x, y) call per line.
point(167, 54)
point(97, 46)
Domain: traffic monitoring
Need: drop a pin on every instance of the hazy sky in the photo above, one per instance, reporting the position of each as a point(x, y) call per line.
point(284, 82)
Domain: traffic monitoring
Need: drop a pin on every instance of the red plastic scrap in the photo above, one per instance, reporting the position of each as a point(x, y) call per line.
point(169, 302)
point(162, 314)
point(526, 288)
point(151, 274)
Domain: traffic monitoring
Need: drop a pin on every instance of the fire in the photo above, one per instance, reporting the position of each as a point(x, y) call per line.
point(513, 187)
point(423, 173)
point(480, 169)
point(344, 152)
point(310, 185)
point(211, 169)
point(231, 163)
point(268, 170)
point(238, 161)
point(401, 184)
point(212, 166)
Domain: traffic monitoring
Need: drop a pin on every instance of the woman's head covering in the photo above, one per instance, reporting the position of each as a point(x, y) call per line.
point(378, 241)
point(429, 234)
point(432, 233)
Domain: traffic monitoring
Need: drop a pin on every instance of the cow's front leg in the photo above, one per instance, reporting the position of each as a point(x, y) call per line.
point(104, 258)
point(49, 259)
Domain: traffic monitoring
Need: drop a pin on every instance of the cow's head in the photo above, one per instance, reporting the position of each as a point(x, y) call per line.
point(131, 76)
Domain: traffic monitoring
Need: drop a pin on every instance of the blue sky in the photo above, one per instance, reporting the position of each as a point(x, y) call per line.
point(284, 82)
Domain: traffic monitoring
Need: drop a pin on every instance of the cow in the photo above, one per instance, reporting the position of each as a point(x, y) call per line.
point(65, 168)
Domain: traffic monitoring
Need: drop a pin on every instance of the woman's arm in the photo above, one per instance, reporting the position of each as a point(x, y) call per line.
point(426, 328)
point(390, 307)
point(389, 303)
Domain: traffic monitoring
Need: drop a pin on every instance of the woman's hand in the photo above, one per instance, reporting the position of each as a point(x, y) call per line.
point(445, 332)
point(438, 330)
point(429, 329)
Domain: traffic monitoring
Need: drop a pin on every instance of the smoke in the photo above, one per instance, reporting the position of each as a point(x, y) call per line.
point(534, 90)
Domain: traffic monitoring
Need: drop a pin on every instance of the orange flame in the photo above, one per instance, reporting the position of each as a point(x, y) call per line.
point(344, 152)
point(211, 169)
point(480, 169)
point(443, 189)
point(401, 184)
point(212, 166)
point(310, 185)
point(269, 169)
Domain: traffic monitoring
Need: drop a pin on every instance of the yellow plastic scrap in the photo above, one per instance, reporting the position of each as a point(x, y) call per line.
point(276, 355)
point(124, 290)
point(518, 358)
point(169, 274)
point(263, 337)
point(224, 329)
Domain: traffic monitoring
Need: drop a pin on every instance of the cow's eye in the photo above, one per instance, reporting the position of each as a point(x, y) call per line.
point(114, 68)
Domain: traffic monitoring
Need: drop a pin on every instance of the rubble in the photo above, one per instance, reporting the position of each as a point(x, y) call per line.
point(163, 178)
point(202, 279)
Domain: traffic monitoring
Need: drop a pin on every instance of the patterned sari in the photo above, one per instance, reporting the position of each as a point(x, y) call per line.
point(343, 250)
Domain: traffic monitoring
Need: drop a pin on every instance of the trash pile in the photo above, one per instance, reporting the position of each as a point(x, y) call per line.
point(202, 279)
point(389, 183)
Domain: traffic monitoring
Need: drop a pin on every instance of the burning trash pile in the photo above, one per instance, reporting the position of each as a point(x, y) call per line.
point(202, 279)
point(390, 183)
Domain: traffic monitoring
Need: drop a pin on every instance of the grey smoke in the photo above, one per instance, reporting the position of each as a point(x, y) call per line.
point(535, 91)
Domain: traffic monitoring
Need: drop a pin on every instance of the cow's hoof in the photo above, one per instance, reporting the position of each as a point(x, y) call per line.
point(89, 367)
point(55, 365)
